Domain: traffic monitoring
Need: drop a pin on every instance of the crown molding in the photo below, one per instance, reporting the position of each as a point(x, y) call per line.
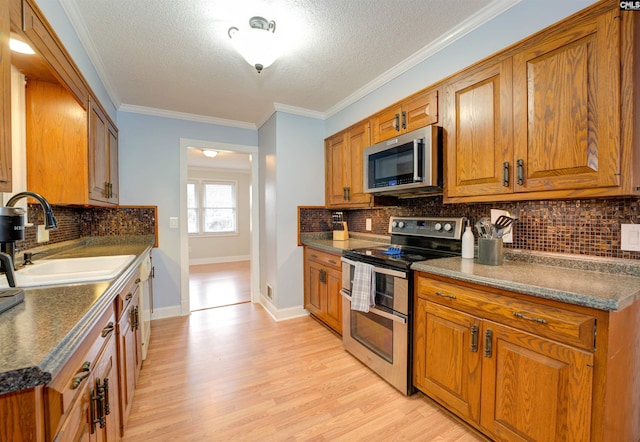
point(185, 116)
point(71, 10)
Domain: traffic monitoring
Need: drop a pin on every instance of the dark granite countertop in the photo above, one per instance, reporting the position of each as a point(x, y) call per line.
point(601, 283)
point(39, 335)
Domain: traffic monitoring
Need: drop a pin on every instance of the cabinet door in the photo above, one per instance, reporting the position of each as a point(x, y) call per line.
point(335, 187)
point(358, 139)
point(105, 388)
point(314, 291)
point(5, 100)
point(478, 128)
point(386, 124)
point(420, 110)
point(334, 299)
point(98, 154)
point(112, 148)
point(127, 358)
point(446, 358)
point(567, 108)
point(534, 388)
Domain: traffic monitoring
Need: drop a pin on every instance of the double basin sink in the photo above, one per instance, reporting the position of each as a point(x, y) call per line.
point(69, 270)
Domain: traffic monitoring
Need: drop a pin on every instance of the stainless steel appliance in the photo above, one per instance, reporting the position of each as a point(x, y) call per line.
point(408, 164)
point(381, 338)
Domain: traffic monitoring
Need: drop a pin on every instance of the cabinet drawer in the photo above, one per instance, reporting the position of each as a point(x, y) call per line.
point(67, 385)
point(555, 323)
point(123, 300)
point(328, 259)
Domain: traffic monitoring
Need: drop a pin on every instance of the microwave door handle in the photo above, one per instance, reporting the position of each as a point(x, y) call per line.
point(416, 146)
point(375, 311)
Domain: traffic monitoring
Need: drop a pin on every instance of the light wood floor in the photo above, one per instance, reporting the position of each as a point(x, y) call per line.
point(215, 285)
point(234, 374)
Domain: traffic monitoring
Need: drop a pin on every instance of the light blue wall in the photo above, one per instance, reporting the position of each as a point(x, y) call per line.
point(149, 151)
point(525, 18)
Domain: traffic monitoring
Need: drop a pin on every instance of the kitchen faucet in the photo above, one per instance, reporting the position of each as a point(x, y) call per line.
point(12, 229)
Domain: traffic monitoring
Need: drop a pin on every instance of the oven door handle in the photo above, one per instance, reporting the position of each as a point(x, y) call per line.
point(375, 311)
point(380, 270)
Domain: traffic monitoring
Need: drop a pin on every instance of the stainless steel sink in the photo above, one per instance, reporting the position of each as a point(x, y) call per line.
point(69, 270)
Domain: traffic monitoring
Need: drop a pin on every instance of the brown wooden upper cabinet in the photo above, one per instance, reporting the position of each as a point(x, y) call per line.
point(415, 112)
point(5, 100)
point(72, 145)
point(541, 123)
point(344, 180)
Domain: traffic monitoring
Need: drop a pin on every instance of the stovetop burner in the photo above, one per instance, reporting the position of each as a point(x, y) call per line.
point(413, 240)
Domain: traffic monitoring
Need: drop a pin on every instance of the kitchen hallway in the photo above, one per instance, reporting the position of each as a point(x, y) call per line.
point(234, 374)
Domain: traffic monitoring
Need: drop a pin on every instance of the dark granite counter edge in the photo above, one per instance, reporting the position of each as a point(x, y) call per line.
point(526, 289)
point(29, 377)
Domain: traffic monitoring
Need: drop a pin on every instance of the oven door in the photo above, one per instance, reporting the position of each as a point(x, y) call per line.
point(379, 339)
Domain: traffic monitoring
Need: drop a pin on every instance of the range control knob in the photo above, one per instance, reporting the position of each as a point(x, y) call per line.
point(401, 224)
point(448, 227)
point(438, 227)
point(394, 224)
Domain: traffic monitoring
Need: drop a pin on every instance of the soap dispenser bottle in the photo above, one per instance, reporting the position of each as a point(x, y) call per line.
point(467, 242)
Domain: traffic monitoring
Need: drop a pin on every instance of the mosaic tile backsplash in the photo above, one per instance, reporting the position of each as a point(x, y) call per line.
point(582, 227)
point(75, 223)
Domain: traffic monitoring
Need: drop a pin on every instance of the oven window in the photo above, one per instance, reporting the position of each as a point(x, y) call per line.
point(384, 289)
point(374, 332)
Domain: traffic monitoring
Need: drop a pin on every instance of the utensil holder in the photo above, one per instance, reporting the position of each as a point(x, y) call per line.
point(490, 251)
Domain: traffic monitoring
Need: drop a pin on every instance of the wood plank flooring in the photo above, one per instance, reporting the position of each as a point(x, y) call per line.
point(215, 285)
point(234, 374)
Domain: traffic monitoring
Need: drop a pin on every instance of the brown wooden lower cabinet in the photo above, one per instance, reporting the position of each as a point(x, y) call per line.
point(322, 284)
point(520, 368)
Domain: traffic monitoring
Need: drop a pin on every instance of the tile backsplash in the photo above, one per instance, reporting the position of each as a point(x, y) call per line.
point(583, 227)
point(75, 223)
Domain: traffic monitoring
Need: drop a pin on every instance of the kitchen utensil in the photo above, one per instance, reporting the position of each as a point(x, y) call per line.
point(499, 228)
point(483, 226)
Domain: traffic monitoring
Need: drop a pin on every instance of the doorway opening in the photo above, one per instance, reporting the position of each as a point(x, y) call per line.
point(219, 246)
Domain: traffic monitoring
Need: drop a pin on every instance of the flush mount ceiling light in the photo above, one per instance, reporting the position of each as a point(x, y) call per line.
point(209, 153)
point(257, 44)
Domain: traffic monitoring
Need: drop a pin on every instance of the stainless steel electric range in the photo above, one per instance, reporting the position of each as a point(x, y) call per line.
point(381, 338)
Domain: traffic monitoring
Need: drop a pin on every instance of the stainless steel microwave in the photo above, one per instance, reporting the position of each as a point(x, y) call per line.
point(410, 163)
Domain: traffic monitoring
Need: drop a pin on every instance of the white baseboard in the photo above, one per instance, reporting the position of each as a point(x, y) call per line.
point(218, 260)
point(166, 312)
point(282, 314)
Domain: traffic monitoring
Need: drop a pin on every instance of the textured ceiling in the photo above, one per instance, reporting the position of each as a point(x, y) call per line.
point(176, 56)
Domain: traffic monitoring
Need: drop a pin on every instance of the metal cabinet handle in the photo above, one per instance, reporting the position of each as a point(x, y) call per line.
point(348, 193)
point(523, 316)
point(505, 174)
point(474, 338)
point(85, 371)
point(520, 167)
point(108, 329)
point(446, 295)
point(323, 276)
point(396, 123)
point(129, 296)
point(488, 343)
point(404, 119)
point(331, 261)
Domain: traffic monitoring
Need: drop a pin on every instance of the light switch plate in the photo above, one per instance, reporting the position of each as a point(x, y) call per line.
point(495, 214)
point(630, 237)
point(367, 225)
point(173, 222)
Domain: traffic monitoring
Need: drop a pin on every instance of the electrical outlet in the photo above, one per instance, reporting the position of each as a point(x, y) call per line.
point(269, 292)
point(630, 237)
point(42, 235)
point(368, 224)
